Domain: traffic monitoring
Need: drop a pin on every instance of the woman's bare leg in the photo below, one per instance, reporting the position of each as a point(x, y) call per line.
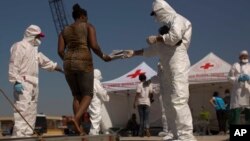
point(76, 104)
point(84, 104)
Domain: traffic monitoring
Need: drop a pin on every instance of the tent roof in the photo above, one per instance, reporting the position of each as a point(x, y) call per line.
point(129, 80)
point(209, 69)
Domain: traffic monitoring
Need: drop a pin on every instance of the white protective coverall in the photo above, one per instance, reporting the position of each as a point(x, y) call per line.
point(24, 64)
point(240, 97)
point(166, 130)
point(97, 110)
point(106, 123)
point(175, 62)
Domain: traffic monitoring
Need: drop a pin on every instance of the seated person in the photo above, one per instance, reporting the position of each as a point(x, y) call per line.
point(132, 125)
point(203, 122)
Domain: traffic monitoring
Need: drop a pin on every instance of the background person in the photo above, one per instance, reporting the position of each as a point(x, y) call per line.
point(142, 101)
point(132, 125)
point(239, 76)
point(204, 121)
point(95, 107)
point(25, 61)
point(226, 99)
point(220, 107)
point(75, 43)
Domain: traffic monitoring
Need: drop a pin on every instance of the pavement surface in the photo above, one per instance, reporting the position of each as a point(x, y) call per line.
point(110, 138)
point(199, 138)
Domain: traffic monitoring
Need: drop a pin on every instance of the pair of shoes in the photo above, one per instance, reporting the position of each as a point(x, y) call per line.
point(186, 137)
point(168, 136)
point(141, 135)
point(162, 134)
point(82, 133)
point(221, 133)
point(147, 132)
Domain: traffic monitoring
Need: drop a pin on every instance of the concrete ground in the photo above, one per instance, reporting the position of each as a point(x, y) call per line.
point(110, 138)
point(154, 138)
point(63, 138)
point(213, 138)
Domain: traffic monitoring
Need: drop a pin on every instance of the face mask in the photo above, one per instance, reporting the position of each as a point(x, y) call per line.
point(158, 21)
point(100, 78)
point(244, 61)
point(37, 42)
point(155, 18)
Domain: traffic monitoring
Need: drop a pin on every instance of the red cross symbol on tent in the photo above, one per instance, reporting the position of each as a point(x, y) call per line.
point(135, 74)
point(207, 66)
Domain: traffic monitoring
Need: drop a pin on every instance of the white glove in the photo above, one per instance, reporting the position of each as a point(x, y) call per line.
point(152, 39)
point(128, 53)
point(59, 69)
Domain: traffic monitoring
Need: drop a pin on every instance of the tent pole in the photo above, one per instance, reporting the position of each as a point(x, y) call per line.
point(129, 105)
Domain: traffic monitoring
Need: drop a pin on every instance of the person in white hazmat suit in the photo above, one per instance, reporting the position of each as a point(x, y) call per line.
point(239, 76)
point(24, 64)
point(172, 49)
point(97, 110)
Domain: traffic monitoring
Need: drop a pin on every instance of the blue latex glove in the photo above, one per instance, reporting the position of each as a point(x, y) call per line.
point(18, 87)
point(241, 78)
point(246, 77)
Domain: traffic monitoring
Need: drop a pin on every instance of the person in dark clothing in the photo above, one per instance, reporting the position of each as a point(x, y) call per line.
point(220, 108)
point(142, 102)
point(132, 125)
point(227, 111)
point(75, 44)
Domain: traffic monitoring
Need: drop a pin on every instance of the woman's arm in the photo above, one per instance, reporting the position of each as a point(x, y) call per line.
point(135, 100)
point(92, 40)
point(212, 101)
point(61, 46)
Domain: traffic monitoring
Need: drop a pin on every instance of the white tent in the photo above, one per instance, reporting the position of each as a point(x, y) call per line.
point(206, 76)
point(129, 80)
point(208, 70)
point(122, 93)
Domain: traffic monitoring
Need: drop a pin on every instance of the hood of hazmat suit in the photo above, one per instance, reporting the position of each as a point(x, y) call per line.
point(243, 52)
point(164, 13)
point(32, 31)
point(99, 92)
point(180, 29)
point(97, 74)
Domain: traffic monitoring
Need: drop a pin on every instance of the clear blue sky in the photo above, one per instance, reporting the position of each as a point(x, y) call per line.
point(219, 26)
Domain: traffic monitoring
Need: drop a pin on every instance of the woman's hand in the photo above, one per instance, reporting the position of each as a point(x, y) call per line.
point(106, 58)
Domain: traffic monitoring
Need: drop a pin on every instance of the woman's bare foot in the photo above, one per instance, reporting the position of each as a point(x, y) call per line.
point(77, 128)
point(83, 133)
point(84, 139)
